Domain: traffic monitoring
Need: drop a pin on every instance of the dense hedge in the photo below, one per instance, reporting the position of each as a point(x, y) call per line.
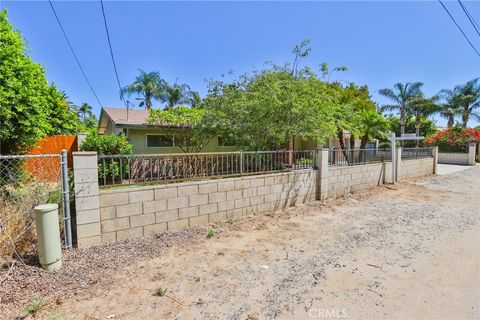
point(453, 139)
point(107, 144)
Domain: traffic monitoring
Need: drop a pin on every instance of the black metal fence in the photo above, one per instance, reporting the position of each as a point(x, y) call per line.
point(116, 170)
point(416, 153)
point(352, 157)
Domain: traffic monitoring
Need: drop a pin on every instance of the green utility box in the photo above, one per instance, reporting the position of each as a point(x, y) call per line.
point(48, 235)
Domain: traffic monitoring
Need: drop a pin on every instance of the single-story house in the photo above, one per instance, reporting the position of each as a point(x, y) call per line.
point(150, 139)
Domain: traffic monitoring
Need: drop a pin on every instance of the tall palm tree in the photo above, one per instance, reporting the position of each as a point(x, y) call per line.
point(149, 86)
point(422, 107)
point(195, 99)
point(177, 94)
point(450, 108)
point(468, 96)
point(403, 96)
point(84, 111)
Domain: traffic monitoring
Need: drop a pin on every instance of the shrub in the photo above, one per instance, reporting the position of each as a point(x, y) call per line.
point(453, 139)
point(107, 144)
point(17, 220)
point(211, 233)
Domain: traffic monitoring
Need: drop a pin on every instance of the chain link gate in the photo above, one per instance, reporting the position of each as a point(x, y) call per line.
point(25, 182)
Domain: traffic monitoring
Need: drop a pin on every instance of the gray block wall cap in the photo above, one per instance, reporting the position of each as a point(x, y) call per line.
point(84, 153)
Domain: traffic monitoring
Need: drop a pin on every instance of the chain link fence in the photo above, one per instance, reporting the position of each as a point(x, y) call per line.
point(25, 182)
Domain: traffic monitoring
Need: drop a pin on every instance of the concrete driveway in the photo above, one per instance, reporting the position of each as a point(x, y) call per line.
point(450, 168)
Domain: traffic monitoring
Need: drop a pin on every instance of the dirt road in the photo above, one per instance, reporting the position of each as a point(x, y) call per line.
point(411, 253)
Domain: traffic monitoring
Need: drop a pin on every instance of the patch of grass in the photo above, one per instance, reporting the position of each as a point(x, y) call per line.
point(160, 292)
point(34, 306)
point(211, 233)
point(230, 221)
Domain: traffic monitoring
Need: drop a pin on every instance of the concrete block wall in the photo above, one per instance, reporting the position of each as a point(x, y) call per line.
point(459, 158)
point(132, 212)
point(413, 168)
point(344, 180)
point(127, 212)
point(453, 158)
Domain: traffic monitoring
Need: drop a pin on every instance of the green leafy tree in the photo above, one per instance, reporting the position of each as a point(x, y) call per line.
point(30, 108)
point(86, 115)
point(353, 101)
point(427, 127)
point(62, 116)
point(327, 73)
point(372, 125)
point(265, 110)
point(300, 51)
point(147, 85)
point(403, 96)
point(191, 134)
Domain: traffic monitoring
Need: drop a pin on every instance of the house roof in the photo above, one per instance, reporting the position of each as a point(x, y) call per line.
point(121, 118)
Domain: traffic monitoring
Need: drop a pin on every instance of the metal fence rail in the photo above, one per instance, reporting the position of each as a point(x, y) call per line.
point(416, 153)
point(116, 170)
point(353, 157)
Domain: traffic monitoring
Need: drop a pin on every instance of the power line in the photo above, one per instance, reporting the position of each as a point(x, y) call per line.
point(111, 52)
point(469, 16)
point(453, 19)
point(74, 55)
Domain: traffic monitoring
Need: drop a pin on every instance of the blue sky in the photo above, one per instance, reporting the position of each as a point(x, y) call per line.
point(380, 42)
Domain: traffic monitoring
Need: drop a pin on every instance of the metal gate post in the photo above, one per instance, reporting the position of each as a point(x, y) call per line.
point(393, 142)
point(67, 221)
point(241, 162)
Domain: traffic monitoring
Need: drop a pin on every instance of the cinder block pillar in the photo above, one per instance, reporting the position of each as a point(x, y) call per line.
point(471, 154)
point(87, 202)
point(435, 159)
point(321, 164)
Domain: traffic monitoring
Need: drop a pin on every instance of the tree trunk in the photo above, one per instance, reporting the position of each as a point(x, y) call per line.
point(342, 145)
point(352, 141)
point(363, 145)
point(289, 150)
point(148, 103)
point(451, 121)
point(465, 119)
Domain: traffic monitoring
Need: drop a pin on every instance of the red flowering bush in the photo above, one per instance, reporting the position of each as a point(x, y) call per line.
point(453, 139)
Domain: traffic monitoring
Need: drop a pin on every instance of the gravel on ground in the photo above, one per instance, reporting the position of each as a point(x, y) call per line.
point(412, 251)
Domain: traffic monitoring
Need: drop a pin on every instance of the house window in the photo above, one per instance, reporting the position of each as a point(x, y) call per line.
point(159, 140)
point(225, 142)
